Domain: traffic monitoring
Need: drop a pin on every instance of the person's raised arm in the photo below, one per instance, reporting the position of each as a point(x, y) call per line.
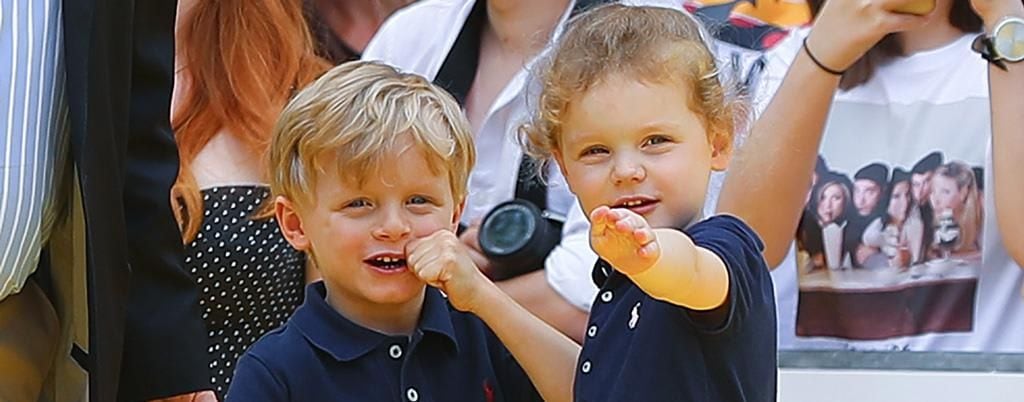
point(1005, 89)
point(664, 263)
point(767, 183)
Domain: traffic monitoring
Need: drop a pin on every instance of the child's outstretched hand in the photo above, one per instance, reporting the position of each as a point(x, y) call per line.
point(441, 260)
point(624, 239)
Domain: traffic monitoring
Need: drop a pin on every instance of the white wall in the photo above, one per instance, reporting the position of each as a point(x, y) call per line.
point(803, 385)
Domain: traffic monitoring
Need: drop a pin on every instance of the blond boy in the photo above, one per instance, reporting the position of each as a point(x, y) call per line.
point(369, 170)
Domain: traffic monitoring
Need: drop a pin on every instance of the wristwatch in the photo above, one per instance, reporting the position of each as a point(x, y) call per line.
point(1004, 45)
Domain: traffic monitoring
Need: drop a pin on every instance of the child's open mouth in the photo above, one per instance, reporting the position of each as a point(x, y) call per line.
point(641, 205)
point(386, 263)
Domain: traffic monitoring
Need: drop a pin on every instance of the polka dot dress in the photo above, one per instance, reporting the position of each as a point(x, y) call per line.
point(251, 279)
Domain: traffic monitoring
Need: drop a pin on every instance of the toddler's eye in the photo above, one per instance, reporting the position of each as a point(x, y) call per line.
point(656, 139)
point(594, 150)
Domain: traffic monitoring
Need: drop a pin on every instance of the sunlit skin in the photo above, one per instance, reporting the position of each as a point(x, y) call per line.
point(357, 233)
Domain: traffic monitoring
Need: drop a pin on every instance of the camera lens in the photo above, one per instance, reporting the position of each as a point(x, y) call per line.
point(516, 237)
point(507, 230)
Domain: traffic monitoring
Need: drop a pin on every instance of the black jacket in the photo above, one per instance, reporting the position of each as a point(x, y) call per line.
point(147, 338)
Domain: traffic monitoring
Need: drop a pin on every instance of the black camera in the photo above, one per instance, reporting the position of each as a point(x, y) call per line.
point(517, 236)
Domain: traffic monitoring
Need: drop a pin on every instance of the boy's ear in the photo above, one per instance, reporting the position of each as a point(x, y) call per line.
point(721, 152)
point(457, 215)
point(291, 224)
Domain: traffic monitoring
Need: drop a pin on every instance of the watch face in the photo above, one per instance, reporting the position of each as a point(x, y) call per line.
point(1008, 39)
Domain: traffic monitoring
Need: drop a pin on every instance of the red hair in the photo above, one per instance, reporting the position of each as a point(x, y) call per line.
point(243, 59)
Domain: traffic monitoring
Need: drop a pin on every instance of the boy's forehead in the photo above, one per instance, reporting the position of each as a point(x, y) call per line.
point(386, 165)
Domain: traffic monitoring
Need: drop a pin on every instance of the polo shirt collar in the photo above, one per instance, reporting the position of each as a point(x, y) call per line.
point(346, 341)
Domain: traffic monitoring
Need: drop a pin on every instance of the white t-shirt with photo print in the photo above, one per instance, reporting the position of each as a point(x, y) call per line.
point(931, 101)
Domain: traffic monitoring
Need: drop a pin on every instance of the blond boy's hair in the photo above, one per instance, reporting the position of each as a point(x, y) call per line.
point(353, 116)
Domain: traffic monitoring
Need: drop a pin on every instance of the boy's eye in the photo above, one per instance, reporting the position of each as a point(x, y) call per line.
point(359, 203)
point(656, 139)
point(418, 199)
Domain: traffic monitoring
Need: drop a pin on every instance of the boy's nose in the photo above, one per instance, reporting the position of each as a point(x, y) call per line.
point(393, 226)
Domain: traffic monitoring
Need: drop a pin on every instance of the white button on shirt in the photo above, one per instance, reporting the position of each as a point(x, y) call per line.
point(412, 394)
point(395, 352)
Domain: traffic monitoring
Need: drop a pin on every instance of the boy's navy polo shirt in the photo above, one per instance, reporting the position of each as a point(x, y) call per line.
point(319, 355)
point(641, 349)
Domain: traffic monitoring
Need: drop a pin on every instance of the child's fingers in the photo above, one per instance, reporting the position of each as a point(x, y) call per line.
point(618, 214)
point(412, 245)
point(649, 250)
point(417, 251)
point(416, 244)
point(625, 225)
point(598, 215)
point(429, 272)
point(423, 253)
point(599, 219)
point(621, 214)
point(644, 235)
point(630, 222)
point(414, 253)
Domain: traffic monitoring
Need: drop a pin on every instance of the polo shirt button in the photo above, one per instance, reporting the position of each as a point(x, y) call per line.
point(395, 351)
point(592, 331)
point(412, 395)
point(606, 296)
point(585, 368)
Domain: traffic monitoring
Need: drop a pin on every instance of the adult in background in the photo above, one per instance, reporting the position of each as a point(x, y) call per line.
point(342, 28)
point(239, 63)
point(90, 84)
point(846, 92)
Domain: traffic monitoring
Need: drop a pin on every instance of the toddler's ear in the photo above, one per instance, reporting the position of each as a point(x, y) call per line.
point(291, 223)
point(557, 156)
point(721, 152)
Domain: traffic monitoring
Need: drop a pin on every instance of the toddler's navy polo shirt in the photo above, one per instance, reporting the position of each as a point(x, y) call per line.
point(641, 349)
point(319, 355)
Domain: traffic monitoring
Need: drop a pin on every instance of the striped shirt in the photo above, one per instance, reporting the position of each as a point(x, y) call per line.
point(33, 133)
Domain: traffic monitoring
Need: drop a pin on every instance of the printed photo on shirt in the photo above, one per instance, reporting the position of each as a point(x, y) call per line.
point(890, 249)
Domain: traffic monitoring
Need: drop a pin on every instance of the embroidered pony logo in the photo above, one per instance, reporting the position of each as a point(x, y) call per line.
point(634, 315)
point(488, 391)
